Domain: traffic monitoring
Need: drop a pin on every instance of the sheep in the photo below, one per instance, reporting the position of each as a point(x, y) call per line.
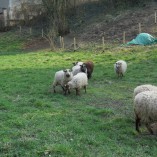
point(120, 68)
point(76, 68)
point(62, 77)
point(87, 68)
point(145, 108)
point(78, 81)
point(142, 88)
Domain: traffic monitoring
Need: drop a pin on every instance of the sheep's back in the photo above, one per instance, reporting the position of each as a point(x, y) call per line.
point(79, 80)
point(59, 76)
point(142, 88)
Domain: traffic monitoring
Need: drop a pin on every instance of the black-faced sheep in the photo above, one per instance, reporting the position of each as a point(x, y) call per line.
point(120, 68)
point(62, 77)
point(88, 68)
point(145, 107)
point(78, 81)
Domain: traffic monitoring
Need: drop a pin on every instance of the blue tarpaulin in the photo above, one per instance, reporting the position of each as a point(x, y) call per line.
point(143, 39)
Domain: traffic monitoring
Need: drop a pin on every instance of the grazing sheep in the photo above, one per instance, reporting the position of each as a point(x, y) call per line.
point(76, 68)
point(78, 81)
point(145, 107)
point(142, 88)
point(62, 77)
point(120, 68)
point(87, 68)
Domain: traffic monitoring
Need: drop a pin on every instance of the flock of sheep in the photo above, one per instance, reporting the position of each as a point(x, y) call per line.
point(76, 78)
point(145, 96)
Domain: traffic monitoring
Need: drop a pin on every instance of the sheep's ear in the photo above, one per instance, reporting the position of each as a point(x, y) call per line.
point(65, 71)
point(74, 63)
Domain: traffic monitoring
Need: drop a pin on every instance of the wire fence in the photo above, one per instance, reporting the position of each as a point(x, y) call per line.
point(75, 41)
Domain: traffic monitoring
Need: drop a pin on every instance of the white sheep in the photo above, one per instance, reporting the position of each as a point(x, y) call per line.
point(78, 81)
point(120, 68)
point(76, 68)
point(62, 77)
point(145, 107)
point(142, 88)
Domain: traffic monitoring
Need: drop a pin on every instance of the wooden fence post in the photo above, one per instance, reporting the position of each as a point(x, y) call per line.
point(62, 42)
point(30, 30)
point(139, 27)
point(20, 29)
point(74, 44)
point(42, 33)
point(124, 37)
point(103, 43)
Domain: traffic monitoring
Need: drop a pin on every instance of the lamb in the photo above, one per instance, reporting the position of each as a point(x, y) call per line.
point(120, 68)
point(145, 107)
point(62, 77)
point(87, 68)
point(78, 81)
point(142, 88)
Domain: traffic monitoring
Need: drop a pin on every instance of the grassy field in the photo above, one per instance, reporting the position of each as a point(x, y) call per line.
point(36, 122)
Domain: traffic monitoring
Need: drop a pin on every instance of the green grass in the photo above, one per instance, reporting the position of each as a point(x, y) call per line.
point(36, 122)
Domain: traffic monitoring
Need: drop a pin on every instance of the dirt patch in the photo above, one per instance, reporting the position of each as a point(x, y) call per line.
point(36, 44)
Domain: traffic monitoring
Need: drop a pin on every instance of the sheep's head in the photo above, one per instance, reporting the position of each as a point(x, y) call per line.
point(67, 73)
point(118, 65)
point(83, 68)
point(68, 86)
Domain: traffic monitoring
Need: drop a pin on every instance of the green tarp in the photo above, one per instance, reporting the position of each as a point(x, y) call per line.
point(143, 39)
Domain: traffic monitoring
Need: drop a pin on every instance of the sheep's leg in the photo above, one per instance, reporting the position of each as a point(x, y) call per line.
point(65, 92)
point(149, 129)
point(77, 91)
point(54, 90)
point(85, 89)
point(63, 88)
point(89, 76)
point(68, 91)
point(137, 123)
